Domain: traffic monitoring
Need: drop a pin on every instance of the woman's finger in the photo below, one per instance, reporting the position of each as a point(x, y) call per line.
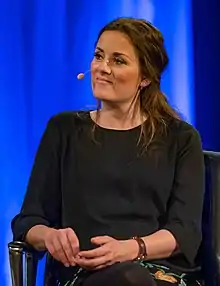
point(56, 250)
point(103, 266)
point(67, 247)
point(73, 240)
point(100, 251)
point(92, 263)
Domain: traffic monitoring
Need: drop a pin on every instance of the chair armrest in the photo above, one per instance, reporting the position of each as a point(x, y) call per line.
point(17, 250)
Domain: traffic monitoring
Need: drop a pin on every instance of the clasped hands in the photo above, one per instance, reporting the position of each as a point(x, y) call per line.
point(63, 245)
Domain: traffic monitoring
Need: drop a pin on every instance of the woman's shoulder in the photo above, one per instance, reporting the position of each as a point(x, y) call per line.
point(182, 128)
point(184, 133)
point(70, 119)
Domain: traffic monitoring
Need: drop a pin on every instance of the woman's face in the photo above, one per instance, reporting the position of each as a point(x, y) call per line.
point(115, 69)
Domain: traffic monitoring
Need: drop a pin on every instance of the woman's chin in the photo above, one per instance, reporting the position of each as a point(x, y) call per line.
point(104, 97)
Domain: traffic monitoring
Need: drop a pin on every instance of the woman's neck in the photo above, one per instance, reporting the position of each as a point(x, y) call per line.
point(117, 119)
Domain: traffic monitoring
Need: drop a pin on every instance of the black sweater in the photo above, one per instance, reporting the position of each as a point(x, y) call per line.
point(107, 186)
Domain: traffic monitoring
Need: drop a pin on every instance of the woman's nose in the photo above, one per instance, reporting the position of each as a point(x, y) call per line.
point(105, 65)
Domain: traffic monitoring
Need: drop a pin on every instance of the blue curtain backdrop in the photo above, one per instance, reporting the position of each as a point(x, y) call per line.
point(44, 44)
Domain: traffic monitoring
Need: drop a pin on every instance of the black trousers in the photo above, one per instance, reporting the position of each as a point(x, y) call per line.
point(122, 274)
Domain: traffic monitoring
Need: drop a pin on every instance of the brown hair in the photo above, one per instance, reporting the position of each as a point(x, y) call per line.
point(153, 59)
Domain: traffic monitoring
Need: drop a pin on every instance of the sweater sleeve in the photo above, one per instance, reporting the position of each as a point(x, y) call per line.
point(42, 200)
point(186, 202)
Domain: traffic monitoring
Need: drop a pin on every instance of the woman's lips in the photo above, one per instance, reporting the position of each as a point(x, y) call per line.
point(103, 80)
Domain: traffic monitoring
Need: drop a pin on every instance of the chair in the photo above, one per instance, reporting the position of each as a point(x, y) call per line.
point(210, 248)
point(209, 255)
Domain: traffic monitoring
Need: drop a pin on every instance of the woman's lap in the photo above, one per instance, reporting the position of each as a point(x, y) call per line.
point(129, 274)
point(124, 274)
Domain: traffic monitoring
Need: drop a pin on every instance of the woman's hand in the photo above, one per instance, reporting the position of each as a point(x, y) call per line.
point(62, 244)
point(110, 251)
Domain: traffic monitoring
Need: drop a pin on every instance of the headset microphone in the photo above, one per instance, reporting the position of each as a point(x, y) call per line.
point(82, 75)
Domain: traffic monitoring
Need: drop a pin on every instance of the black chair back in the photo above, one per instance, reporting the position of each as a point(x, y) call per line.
point(210, 250)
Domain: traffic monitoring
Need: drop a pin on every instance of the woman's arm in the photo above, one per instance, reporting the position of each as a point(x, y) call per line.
point(182, 231)
point(160, 244)
point(41, 205)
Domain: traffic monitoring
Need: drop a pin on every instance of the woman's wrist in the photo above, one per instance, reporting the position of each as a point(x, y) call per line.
point(36, 236)
point(133, 249)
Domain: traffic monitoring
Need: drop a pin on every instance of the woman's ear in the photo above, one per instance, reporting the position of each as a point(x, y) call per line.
point(145, 83)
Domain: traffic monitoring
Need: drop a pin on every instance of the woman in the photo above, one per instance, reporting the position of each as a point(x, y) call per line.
point(116, 194)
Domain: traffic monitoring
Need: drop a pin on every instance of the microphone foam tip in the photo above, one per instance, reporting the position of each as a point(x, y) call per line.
point(80, 76)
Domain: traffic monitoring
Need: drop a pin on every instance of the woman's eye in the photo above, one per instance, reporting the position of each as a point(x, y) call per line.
point(116, 60)
point(119, 61)
point(97, 56)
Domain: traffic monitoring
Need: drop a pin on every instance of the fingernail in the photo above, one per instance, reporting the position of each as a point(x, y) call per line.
point(66, 264)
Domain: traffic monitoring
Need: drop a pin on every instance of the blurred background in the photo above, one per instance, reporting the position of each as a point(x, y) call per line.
point(44, 44)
